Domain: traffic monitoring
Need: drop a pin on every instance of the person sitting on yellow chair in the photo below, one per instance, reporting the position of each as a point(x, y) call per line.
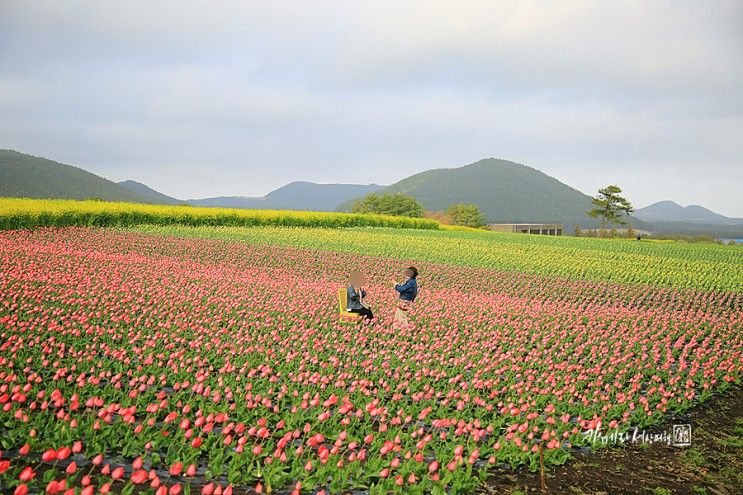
point(356, 295)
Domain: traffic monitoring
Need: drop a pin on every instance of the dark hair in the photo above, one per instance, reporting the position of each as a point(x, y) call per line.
point(412, 272)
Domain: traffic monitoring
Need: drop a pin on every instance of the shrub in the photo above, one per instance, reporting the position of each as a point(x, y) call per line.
point(466, 215)
point(389, 204)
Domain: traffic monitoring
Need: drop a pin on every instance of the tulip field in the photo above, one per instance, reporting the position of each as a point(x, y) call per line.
point(177, 359)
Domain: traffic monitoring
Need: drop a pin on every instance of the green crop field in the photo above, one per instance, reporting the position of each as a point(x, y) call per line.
point(680, 265)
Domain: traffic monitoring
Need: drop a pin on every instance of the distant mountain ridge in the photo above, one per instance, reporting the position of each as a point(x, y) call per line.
point(669, 211)
point(243, 202)
point(23, 175)
point(668, 217)
point(505, 191)
point(297, 195)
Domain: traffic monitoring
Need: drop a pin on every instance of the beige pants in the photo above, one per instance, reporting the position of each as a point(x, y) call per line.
point(401, 317)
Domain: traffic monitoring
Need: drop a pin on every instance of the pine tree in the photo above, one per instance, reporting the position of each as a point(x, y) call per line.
point(609, 207)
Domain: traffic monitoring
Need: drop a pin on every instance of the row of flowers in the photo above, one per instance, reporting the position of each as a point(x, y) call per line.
point(133, 362)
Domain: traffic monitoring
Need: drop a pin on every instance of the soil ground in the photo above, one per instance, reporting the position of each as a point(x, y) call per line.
point(712, 465)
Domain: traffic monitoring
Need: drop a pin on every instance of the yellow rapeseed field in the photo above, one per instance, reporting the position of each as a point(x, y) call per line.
point(16, 213)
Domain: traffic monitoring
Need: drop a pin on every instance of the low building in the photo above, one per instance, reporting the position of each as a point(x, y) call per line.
point(528, 228)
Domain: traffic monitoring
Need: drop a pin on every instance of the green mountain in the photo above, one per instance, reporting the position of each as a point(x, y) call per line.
point(28, 176)
point(147, 192)
point(506, 192)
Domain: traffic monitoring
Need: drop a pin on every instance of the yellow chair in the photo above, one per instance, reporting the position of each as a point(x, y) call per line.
point(343, 313)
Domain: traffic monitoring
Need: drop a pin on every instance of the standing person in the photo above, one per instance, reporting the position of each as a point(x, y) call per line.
point(355, 296)
point(408, 291)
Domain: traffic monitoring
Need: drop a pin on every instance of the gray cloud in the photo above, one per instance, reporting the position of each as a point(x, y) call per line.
point(199, 99)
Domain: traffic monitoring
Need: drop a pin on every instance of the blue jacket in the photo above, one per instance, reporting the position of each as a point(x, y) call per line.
point(408, 291)
point(353, 298)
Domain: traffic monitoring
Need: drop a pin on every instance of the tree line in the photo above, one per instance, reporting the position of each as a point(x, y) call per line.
point(466, 215)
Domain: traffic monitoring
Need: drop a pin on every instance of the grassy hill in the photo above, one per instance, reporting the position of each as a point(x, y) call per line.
point(29, 176)
point(505, 191)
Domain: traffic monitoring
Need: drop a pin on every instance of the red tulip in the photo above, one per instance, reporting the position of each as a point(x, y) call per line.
point(139, 477)
point(27, 474)
point(49, 455)
point(54, 486)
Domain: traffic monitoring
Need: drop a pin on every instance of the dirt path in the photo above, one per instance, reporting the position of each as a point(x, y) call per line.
point(712, 465)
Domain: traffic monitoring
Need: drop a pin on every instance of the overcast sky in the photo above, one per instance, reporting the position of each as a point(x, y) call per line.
point(237, 98)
